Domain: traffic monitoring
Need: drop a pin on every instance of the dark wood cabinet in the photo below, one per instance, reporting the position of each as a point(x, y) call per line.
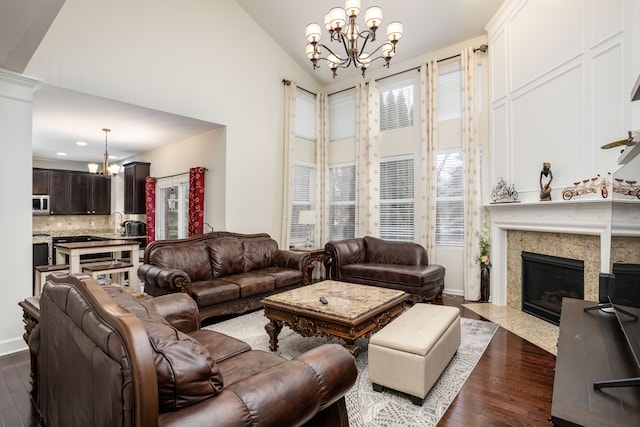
point(40, 181)
point(59, 192)
point(100, 194)
point(135, 174)
point(79, 193)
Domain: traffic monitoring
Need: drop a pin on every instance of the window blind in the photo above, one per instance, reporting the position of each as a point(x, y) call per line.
point(342, 201)
point(304, 176)
point(396, 105)
point(450, 199)
point(450, 91)
point(397, 198)
point(342, 117)
point(305, 126)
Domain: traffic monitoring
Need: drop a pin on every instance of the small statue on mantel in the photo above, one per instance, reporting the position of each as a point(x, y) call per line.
point(545, 182)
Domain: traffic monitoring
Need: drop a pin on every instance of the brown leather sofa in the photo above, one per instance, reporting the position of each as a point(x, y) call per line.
point(108, 359)
point(223, 272)
point(397, 265)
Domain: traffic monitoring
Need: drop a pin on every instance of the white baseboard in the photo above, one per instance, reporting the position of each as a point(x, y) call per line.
point(456, 292)
point(13, 345)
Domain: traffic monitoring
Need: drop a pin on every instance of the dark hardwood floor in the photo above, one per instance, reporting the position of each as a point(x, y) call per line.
point(511, 385)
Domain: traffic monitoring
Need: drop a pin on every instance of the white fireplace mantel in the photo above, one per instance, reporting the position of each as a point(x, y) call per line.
point(588, 216)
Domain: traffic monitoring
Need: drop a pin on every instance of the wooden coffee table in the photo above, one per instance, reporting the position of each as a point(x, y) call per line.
point(352, 311)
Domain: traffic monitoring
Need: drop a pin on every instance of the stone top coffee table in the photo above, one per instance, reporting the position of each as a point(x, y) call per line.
point(351, 312)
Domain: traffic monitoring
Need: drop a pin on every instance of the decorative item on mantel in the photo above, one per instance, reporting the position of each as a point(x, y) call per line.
point(502, 193)
point(546, 176)
point(587, 186)
point(626, 187)
point(485, 261)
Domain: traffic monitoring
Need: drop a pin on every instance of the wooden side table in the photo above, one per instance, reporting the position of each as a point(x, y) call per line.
point(315, 255)
point(31, 317)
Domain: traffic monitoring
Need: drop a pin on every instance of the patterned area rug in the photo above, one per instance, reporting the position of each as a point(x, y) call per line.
point(365, 406)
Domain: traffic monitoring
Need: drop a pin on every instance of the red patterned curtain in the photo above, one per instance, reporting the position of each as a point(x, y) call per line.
point(196, 201)
point(150, 197)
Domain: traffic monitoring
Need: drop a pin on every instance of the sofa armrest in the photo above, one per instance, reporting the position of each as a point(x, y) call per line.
point(291, 259)
point(180, 310)
point(290, 393)
point(345, 252)
point(167, 279)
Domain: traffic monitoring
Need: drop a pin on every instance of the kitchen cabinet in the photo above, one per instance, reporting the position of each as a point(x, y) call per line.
point(59, 192)
point(40, 257)
point(135, 174)
point(40, 181)
point(79, 193)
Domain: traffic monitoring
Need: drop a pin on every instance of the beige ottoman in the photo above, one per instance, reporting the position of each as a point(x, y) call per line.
point(410, 353)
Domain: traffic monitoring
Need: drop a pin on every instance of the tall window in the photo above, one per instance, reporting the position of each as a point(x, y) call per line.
point(172, 208)
point(342, 201)
point(397, 198)
point(342, 116)
point(396, 105)
point(303, 200)
point(450, 199)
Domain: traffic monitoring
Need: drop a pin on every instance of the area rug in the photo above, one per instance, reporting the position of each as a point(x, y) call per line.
point(365, 406)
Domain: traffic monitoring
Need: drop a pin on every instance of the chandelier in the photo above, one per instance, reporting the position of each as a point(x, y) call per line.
point(342, 27)
point(106, 169)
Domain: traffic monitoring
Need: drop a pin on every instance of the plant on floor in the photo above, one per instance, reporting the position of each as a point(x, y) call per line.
point(485, 245)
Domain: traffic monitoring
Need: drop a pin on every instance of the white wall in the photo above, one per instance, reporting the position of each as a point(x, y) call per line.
point(16, 99)
point(205, 150)
point(558, 94)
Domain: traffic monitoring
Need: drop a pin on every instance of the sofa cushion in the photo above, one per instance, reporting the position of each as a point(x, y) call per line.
point(386, 252)
point(186, 372)
point(408, 275)
point(192, 259)
point(283, 276)
point(227, 256)
point(259, 253)
point(252, 283)
point(211, 292)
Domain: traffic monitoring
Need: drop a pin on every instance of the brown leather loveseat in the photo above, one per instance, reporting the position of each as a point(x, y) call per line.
point(108, 359)
point(397, 265)
point(223, 272)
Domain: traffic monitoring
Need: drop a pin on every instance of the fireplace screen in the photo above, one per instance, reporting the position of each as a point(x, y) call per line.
point(546, 280)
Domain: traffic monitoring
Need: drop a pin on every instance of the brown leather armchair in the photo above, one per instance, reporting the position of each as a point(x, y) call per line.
point(105, 359)
point(376, 262)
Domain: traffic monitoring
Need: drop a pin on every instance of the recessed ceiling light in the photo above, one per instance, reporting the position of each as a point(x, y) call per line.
point(81, 143)
point(61, 154)
point(113, 157)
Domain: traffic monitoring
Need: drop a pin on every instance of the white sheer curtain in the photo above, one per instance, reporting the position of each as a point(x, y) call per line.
point(427, 185)
point(289, 157)
point(367, 159)
point(471, 172)
point(322, 168)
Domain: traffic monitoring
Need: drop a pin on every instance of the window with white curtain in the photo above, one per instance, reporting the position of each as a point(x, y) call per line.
point(342, 201)
point(450, 91)
point(304, 184)
point(172, 208)
point(396, 105)
point(305, 115)
point(342, 116)
point(397, 198)
point(450, 199)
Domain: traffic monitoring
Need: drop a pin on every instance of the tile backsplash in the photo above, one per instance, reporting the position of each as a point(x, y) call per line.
point(81, 222)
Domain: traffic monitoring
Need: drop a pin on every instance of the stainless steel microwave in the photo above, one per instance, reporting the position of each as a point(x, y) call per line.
point(40, 204)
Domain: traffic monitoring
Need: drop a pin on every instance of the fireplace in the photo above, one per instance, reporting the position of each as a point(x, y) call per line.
point(546, 280)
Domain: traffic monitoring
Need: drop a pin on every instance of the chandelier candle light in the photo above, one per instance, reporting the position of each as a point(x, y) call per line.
point(106, 169)
point(349, 35)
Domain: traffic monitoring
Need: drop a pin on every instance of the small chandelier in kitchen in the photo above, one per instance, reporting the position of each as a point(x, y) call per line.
point(342, 28)
point(106, 169)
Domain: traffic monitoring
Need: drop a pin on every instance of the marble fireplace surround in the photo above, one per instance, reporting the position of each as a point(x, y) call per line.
point(572, 229)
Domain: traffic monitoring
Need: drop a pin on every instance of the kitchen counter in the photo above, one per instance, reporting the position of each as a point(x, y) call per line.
point(45, 236)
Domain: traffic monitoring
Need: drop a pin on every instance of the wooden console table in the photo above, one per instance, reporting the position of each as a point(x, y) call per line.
point(591, 348)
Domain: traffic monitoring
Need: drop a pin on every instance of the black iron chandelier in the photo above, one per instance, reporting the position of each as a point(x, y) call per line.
point(342, 27)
